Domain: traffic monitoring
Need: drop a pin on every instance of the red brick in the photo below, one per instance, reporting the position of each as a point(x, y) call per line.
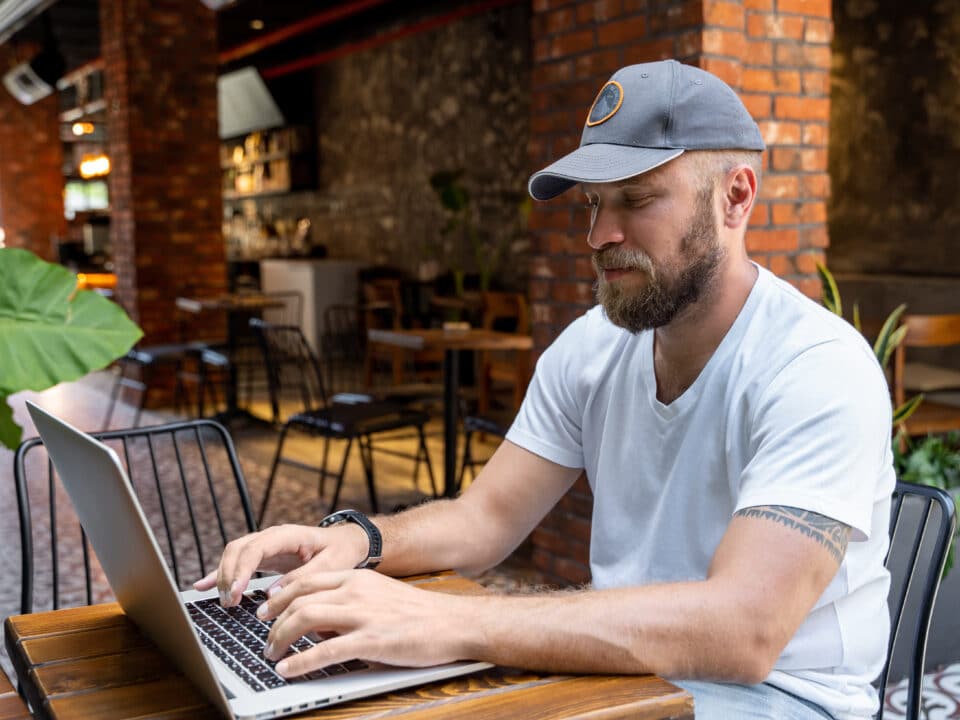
point(759, 106)
point(758, 52)
point(620, 32)
point(807, 262)
point(815, 8)
point(801, 108)
point(550, 218)
point(815, 82)
point(660, 49)
point(598, 11)
point(814, 237)
point(571, 43)
point(762, 260)
point(723, 14)
point(818, 32)
point(727, 70)
point(808, 286)
point(802, 56)
point(760, 215)
point(772, 240)
point(723, 42)
point(541, 313)
point(602, 63)
point(772, 81)
point(816, 134)
point(758, 5)
point(816, 186)
point(558, 21)
point(689, 44)
point(782, 265)
point(786, 213)
point(813, 160)
point(780, 133)
point(780, 187)
point(777, 27)
point(548, 73)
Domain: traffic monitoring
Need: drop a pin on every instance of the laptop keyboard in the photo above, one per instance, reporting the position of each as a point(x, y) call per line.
point(237, 637)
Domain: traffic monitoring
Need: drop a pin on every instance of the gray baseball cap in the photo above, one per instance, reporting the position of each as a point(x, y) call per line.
point(645, 116)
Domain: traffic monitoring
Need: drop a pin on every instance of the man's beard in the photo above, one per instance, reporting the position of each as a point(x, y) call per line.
point(668, 290)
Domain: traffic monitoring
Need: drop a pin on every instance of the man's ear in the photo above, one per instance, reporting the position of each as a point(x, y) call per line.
point(739, 192)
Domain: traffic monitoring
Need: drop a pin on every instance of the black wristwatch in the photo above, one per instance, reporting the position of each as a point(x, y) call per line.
point(375, 552)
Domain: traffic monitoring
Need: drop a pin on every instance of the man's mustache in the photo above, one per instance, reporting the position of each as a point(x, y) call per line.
point(621, 259)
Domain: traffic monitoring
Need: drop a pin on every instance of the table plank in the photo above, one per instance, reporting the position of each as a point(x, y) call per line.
point(12, 706)
point(439, 339)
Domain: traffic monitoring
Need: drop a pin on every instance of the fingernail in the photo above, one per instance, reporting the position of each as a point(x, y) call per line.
point(224, 597)
point(262, 611)
point(282, 667)
point(234, 588)
point(273, 590)
point(268, 650)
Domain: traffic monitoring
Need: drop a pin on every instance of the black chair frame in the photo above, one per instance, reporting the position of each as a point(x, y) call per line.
point(938, 524)
point(207, 436)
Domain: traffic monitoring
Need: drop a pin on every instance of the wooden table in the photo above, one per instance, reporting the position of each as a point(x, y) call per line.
point(91, 662)
point(12, 706)
point(450, 341)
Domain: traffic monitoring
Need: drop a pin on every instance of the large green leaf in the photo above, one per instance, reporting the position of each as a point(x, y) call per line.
point(9, 430)
point(49, 331)
point(890, 336)
point(830, 292)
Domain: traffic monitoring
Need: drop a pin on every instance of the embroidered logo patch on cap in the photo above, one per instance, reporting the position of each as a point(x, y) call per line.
point(608, 101)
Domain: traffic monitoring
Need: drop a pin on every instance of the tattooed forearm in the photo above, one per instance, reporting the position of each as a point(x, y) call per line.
point(831, 534)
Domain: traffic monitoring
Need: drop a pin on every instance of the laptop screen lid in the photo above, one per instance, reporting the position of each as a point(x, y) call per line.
point(113, 520)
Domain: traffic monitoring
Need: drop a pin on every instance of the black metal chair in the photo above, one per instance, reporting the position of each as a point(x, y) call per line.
point(187, 478)
point(293, 368)
point(476, 424)
point(922, 524)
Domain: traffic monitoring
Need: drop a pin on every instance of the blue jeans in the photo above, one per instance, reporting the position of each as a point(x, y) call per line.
point(726, 701)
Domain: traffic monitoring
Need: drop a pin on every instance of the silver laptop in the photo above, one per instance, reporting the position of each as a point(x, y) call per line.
point(219, 649)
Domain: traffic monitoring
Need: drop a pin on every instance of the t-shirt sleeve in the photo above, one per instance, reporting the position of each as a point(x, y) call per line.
point(549, 421)
point(821, 437)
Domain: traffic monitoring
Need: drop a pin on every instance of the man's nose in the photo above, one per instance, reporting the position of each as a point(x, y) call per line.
point(605, 229)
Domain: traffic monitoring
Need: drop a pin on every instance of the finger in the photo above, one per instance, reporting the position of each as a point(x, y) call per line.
point(335, 650)
point(226, 572)
point(243, 560)
point(306, 614)
point(297, 584)
point(206, 582)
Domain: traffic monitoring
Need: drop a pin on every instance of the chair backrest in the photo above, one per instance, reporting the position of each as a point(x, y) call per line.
point(923, 331)
point(922, 524)
point(343, 348)
point(383, 303)
point(293, 369)
point(505, 311)
point(290, 312)
point(187, 478)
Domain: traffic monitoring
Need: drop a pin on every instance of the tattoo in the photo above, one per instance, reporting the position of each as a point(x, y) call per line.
point(833, 535)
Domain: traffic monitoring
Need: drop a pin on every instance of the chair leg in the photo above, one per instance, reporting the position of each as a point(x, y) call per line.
point(366, 454)
point(426, 459)
point(467, 458)
point(273, 473)
point(323, 464)
point(343, 470)
point(114, 395)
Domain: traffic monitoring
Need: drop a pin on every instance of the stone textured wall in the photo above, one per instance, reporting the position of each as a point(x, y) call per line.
point(31, 175)
point(895, 145)
point(453, 98)
point(160, 81)
point(776, 54)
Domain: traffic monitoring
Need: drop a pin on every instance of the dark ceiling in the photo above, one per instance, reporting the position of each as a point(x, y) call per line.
point(75, 27)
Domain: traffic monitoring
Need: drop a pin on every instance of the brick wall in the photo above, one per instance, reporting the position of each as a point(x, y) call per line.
point(776, 54)
point(31, 175)
point(160, 82)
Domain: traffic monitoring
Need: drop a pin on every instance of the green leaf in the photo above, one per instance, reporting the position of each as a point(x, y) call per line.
point(856, 318)
point(903, 412)
point(896, 337)
point(830, 292)
point(886, 336)
point(49, 331)
point(10, 432)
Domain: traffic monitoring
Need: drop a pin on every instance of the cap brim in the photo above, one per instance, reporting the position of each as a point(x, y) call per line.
point(597, 163)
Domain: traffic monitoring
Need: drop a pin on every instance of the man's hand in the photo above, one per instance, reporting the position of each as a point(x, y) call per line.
point(374, 618)
point(284, 548)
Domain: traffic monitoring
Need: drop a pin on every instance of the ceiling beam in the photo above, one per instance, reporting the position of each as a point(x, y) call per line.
point(298, 28)
point(378, 40)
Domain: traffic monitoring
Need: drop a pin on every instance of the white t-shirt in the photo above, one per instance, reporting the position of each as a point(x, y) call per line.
point(791, 409)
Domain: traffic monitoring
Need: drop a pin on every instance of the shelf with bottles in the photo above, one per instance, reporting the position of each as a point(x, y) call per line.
point(267, 162)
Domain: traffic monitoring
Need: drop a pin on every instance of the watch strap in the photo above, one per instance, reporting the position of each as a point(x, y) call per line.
point(375, 549)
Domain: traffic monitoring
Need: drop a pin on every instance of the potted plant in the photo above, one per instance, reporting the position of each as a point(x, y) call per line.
point(50, 332)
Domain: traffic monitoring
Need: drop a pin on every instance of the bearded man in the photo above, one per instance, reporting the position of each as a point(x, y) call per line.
point(736, 437)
